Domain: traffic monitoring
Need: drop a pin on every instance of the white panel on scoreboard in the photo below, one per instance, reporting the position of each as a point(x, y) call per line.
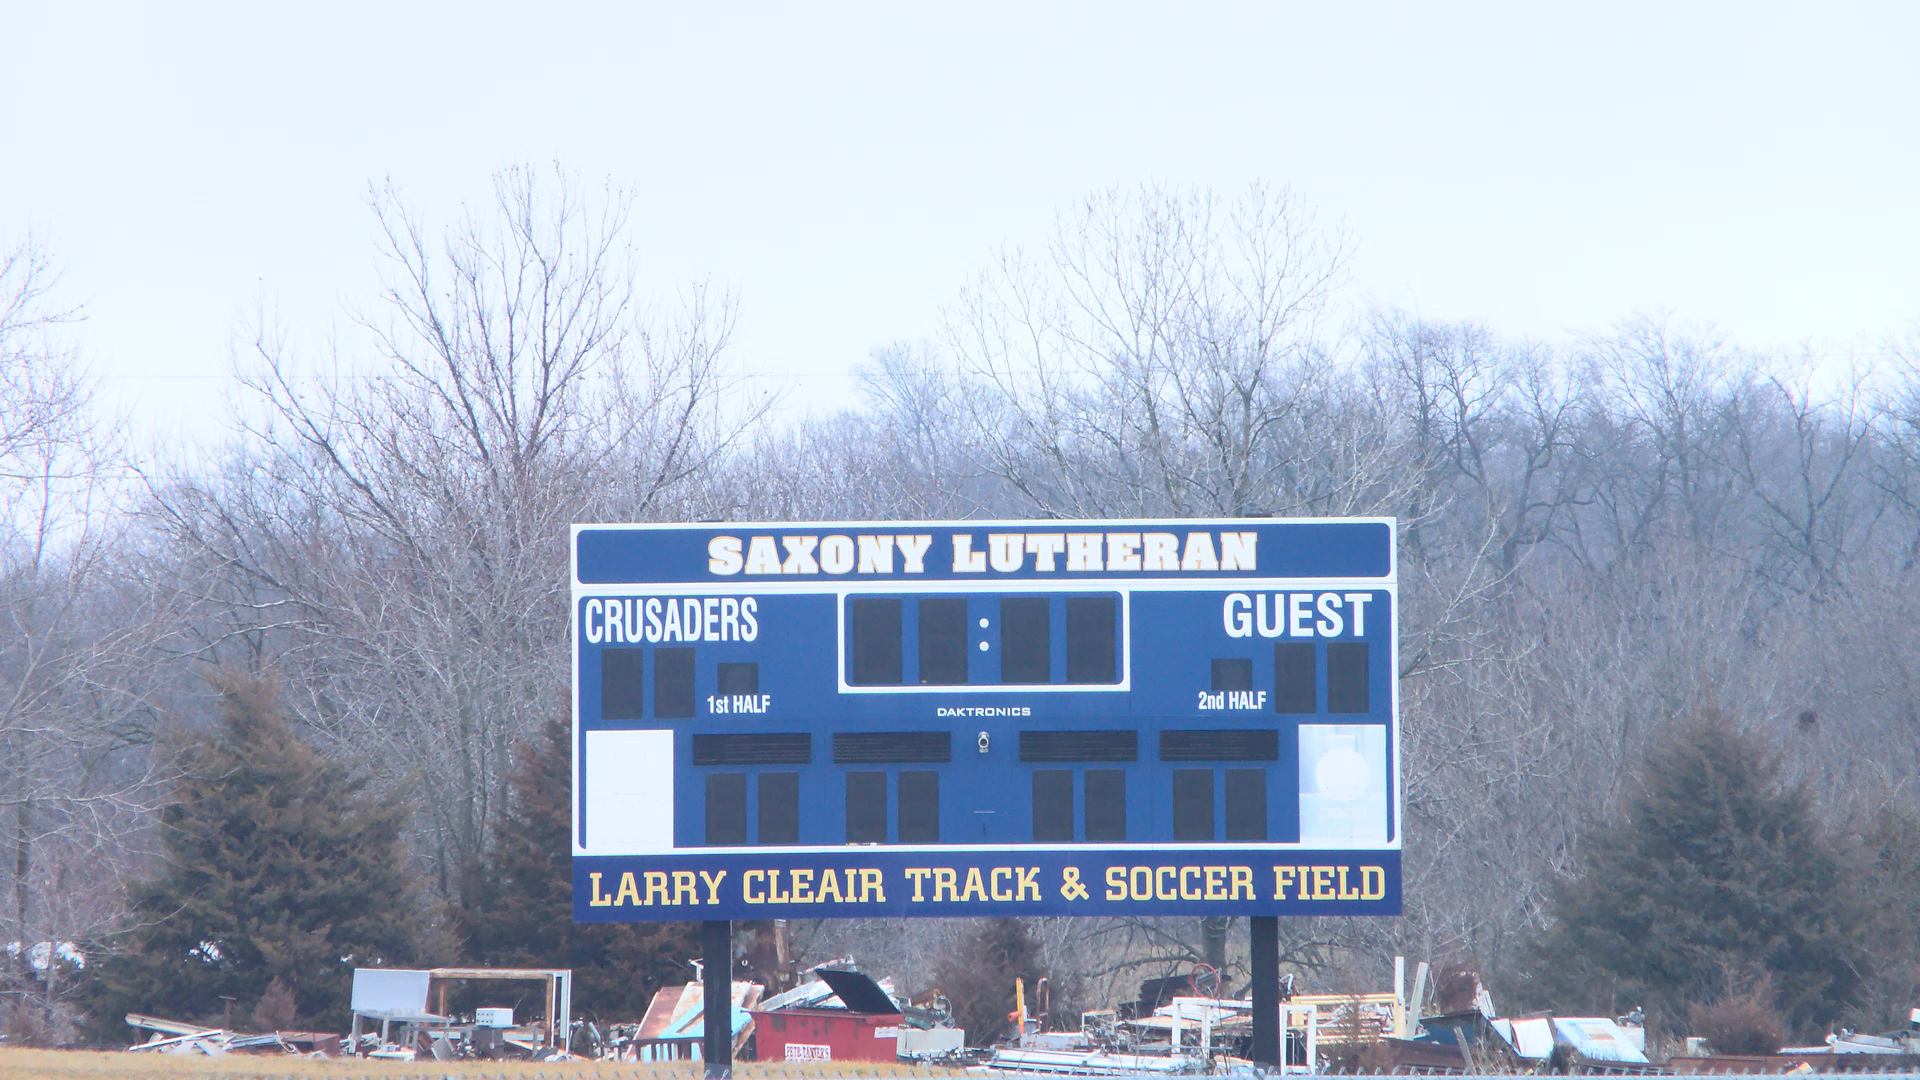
point(629, 792)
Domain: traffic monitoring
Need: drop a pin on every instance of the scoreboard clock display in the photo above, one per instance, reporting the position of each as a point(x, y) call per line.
point(856, 719)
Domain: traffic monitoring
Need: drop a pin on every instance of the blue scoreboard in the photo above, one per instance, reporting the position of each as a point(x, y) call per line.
point(857, 719)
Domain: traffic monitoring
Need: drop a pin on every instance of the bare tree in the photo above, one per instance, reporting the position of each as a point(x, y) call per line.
point(392, 527)
point(77, 634)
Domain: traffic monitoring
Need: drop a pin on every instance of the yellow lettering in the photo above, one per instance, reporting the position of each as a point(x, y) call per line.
point(1216, 883)
point(1140, 883)
point(1029, 880)
point(746, 886)
point(683, 885)
point(870, 887)
point(773, 888)
point(802, 886)
point(713, 885)
point(656, 884)
point(1242, 879)
point(594, 898)
point(917, 875)
point(830, 883)
point(1346, 893)
point(628, 887)
point(943, 879)
point(998, 873)
point(1373, 882)
point(1305, 892)
point(976, 889)
point(1161, 890)
point(1185, 893)
point(1323, 883)
point(1116, 883)
point(1282, 877)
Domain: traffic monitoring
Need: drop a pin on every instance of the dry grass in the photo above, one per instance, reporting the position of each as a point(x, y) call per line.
point(121, 1065)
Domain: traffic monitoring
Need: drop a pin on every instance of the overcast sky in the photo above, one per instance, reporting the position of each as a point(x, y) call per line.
point(1548, 169)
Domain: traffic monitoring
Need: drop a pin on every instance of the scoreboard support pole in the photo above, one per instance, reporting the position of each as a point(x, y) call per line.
point(716, 975)
point(1264, 959)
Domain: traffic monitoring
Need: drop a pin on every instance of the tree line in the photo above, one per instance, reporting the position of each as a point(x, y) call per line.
point(1602, 541)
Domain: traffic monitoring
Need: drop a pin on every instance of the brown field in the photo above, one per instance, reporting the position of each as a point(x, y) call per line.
point(120, 1065)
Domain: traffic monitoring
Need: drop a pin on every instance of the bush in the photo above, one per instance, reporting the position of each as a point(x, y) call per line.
point(1741, 1023)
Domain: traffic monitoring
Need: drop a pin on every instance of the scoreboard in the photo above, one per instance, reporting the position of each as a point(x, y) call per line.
point(858, 719)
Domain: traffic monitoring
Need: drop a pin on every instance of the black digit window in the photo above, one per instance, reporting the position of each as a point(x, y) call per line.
point(1192, 805)
point(1293, 689)
point(1024, 642)
point(1079, 746)
point(943, 641)
point(779, 808)
point(726, 808)
point(866, 808)
point(919, 807)
point(1052, 805)
point(1259, 744)
point(873, 632)
point(620, 687)
point(672, 683)
point(1346, 676)
point(1246, 804)
point(1090, 640)
point(758, 748)
point(1106, 804)
point(892, 747)
point(738, 678)
point(1232, 673)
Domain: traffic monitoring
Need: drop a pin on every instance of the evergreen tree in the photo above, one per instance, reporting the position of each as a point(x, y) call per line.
point(1717, 875)
point(279, 869)
point(978, 972)
point(524, 910)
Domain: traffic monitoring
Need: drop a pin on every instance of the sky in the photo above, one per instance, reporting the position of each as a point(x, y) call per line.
point(1546, 169)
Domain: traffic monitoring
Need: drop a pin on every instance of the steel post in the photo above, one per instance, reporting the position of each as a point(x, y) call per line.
point(1265, 961)
point(716, 974)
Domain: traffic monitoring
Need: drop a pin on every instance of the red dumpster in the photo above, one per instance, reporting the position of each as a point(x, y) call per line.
point(868, 1029)
point(825, 1035)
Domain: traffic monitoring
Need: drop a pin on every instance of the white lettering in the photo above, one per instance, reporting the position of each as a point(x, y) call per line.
point(914, 549)
point(1162, 551)
point(723, 555)
point(1359, 600)
point(652, 610)
point(749, 628)
point(799, 555)
point(591, 620)
point(876, 555)
point(1234, 614)
point(965, 559)
point(1123, 551)
point(1044, 547)
point(710, 619)
point(1270, 630)
point(1330, 623)
point(1008, 551)
point(1083, 551)
point(1237, 550)
point(1199, 554)
point(729, 619)
point(1298, 613)
point(673, 631)
point(762, 557)
point(836, 554)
